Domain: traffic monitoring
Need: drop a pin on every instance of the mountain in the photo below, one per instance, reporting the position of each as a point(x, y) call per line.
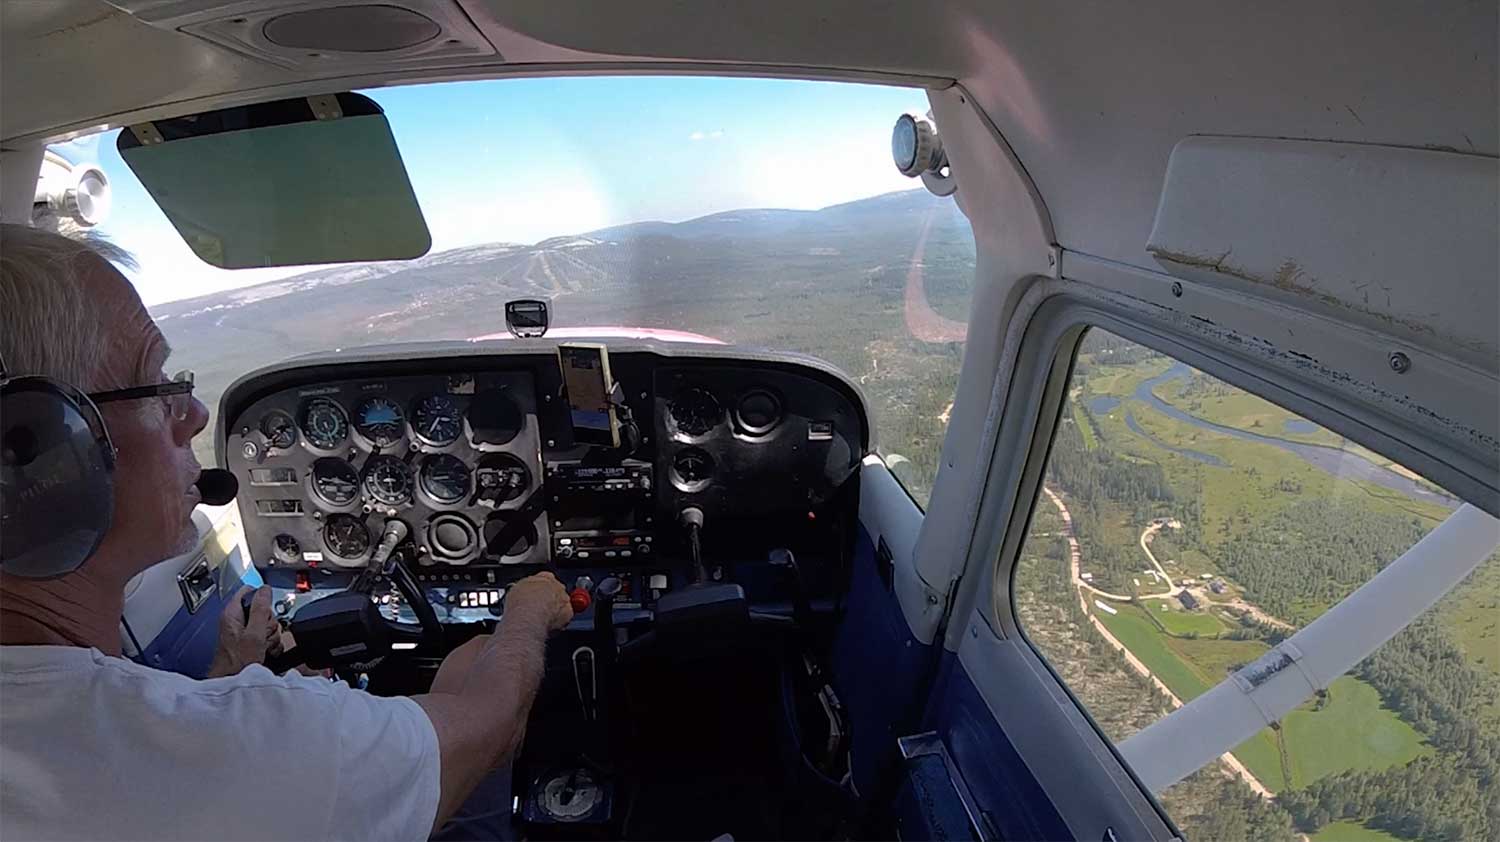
point(828, 282)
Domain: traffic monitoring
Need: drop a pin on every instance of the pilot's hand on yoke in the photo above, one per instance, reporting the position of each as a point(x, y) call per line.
point(244, 641)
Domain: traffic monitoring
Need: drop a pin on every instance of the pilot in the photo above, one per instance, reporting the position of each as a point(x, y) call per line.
point(94, 746)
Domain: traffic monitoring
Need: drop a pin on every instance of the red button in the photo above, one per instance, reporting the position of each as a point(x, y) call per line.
point(580, 600)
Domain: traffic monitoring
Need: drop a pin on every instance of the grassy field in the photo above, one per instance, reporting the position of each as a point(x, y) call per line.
point(1188, 680)
point(1230, 407)
point(1473, 615)
point(1122, 380)
point(1179, 622)
point(1353, 731)
point(1351, 832)
point(1085, 426)
point(1146, 642)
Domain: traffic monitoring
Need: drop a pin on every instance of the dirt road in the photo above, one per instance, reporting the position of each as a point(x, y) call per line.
point(1074, 559)
point(923, 322)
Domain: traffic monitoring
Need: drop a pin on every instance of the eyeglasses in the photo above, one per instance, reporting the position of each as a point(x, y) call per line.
point(176, 393)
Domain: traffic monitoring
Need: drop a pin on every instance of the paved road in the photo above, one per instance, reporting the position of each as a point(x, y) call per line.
point(1074, 558)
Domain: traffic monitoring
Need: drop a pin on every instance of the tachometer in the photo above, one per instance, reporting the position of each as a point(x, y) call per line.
point(695, 411)
point(335, 481)
point(346, 536)
point(388, 480)
point(324, 423)
point(279, 429)
point(437, 420)
point(445, 478)
point(380, 420)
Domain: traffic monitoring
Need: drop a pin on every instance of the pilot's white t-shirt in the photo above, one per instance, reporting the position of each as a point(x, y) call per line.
point(96, 747)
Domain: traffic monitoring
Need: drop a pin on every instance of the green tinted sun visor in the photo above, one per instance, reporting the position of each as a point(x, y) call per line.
point(287, 183)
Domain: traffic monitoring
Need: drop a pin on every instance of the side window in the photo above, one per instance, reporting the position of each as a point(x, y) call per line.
point(1186, 526)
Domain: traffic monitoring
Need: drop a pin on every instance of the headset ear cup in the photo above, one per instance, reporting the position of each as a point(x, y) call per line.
point(56, 478)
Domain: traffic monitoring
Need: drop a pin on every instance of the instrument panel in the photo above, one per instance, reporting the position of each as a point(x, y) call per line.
point(452, 456)
point(474, 452)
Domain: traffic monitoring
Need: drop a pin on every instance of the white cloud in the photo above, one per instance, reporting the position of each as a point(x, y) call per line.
point(713, 135)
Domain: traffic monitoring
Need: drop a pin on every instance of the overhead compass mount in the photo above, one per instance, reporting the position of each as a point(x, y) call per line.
point(918, 152)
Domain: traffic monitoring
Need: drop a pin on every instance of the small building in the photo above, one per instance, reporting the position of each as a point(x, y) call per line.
point(1206, 576)
point(1217, 586)
point(1188, 601)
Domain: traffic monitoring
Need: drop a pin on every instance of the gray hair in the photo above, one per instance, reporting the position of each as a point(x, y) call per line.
point(48, 323)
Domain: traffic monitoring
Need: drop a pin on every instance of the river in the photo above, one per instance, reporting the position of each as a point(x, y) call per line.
point(1339, 463)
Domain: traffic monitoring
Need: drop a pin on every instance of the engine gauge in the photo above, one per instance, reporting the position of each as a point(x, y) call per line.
point(437, 420)
point(692, 469)
point(346, 537)
point(335, 481)
point(324, 423)
point(388, 480)
point(695, 411)
point(279, 429)
point(445, 478)
point(287, 549)
point(500, 478)
point(380, 420)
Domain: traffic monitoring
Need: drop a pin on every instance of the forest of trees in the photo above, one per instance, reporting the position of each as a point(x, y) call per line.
point(1100, 482)
point(1305, 558)
point(1434, 798)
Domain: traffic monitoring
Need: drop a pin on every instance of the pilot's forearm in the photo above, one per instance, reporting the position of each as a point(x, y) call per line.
point(480, 701)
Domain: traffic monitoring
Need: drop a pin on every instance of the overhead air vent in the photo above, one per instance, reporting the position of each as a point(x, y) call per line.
point(351, 29)
point(337, 35)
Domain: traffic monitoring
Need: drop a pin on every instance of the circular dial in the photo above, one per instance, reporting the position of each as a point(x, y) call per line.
point(495, 417)
point(445, 478)
point(695, 411)
point(346, 536)
point(452, 538)
point(287, 549)
point(500, 478)
point(279, 429)
point(758, 412)
point(437, 420)
point(380, 420)
point(324, 423)
point(388, 480)
point(335, 481)
point(692, 468)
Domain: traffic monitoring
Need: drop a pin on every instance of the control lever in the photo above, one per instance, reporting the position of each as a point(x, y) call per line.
point(395, 532)
point(604, 616)
point(801, 606)
point(586, 679)
point(603, 651)
point(691, 519)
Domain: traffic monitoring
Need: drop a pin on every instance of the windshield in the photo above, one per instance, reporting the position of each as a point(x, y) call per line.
point(757, 212)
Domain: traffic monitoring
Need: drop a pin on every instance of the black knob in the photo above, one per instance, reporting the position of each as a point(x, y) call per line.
point(608, 588)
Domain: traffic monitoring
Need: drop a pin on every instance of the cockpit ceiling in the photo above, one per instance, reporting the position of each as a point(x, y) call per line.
point(1092, 97)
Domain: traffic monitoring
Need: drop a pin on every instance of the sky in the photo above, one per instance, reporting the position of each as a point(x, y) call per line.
point(521, 160)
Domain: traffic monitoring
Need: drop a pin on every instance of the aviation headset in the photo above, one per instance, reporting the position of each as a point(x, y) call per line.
point(57, 467)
